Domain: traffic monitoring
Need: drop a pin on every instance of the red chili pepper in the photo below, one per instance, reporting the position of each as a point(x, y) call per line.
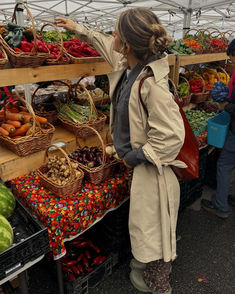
point(80, 268)
point(96, 260)
point(97, 249)
point(18, 50)
point(75, 270)
point(85, 261)
point(89, 269)
point(72, 277)
point(88, 255)
point(80, 257)
point(70, 263)
point(66, 269)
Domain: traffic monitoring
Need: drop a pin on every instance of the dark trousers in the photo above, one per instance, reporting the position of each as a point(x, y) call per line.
point(225, 166)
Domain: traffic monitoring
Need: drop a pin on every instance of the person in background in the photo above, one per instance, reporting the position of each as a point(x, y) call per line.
point(147, 142)
point(226, 162)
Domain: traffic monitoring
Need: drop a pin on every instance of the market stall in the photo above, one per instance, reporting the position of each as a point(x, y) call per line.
point(68, 215)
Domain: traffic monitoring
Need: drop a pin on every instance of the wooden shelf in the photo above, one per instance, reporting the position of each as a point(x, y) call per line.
point(182, 60)
point(16, 76)
point(12, 166)
point(201, 58)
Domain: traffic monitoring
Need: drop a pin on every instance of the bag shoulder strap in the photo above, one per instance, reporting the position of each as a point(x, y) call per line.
point(140, 97)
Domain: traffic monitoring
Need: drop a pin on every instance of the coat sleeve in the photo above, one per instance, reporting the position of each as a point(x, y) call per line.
point(166, 132)
point(102, 42)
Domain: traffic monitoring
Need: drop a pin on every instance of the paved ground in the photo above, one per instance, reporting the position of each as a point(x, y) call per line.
point(205, 263)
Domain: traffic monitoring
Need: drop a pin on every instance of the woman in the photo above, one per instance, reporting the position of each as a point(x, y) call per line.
point(226, 162)
point(147, 140)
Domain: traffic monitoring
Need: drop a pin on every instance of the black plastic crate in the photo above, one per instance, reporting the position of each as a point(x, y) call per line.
point(30, 241)
point(91, 280)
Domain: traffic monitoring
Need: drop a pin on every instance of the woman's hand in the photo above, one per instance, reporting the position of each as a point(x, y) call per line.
point(66, 23)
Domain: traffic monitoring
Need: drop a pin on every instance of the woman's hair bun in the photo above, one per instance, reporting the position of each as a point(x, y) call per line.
point(159, 40)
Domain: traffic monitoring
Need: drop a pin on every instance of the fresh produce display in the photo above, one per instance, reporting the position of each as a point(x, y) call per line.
point(202, 139)
point(210, 76)
point(196, 86)
point(97, 94)
point(6, 234)
point(208, 106)
point(180, 47)
point(92, 156)
point(198, 119)
point(78, 48)
point(18, 122)
point(218, 44)
point(74, 112)
point(82, 257)
point(52, 36)
point(193, 44)
point(58, 170)
point(184, 89)
point(7, 201)
point(104, 108)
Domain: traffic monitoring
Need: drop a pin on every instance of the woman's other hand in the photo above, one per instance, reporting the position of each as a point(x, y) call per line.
point(66, 23)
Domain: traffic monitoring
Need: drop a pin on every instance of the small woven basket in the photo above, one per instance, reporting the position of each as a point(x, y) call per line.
point(74, 184)
point(51, 116)
point(81, 129)
point(32, 143)
point(85, 100)
point(24, 59)
point(62, 53)
point(98, 174)
point(4, 58)
point(198, 97)
point(185, 100)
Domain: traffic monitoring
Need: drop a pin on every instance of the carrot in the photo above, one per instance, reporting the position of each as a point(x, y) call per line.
point(41, 119)
point(3, 131)
point(28, 117)
point(30, 131)
point(21, 130)
point(14, 116)
point(9, 128)
point(15, 123)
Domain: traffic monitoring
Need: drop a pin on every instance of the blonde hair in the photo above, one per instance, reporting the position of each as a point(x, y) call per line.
point(141, 29)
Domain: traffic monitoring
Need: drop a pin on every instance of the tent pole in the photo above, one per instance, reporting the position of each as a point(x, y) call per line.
point(187, 17)
point(20, 21)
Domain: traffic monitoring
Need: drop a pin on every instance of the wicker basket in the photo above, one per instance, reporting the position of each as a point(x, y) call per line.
point(62, 53)
point(198, 50)
point(98, 174)
point(198, 97)
point(24, 59)
point(4, 58)
point(51, 116)
point(81, 129)
point(216, 34)
point(74, 184)
point(205, 41)
point(32, 143)
point(185, 100)
point(85, 99)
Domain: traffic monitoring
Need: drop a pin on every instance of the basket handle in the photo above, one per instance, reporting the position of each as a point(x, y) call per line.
point(174, 87)
point(42, 86)
point(62, 50)
point(92, 105)
point(34, 49)
point(192, 29)
point(102, 145)
point(224, 71)
point(72, 173)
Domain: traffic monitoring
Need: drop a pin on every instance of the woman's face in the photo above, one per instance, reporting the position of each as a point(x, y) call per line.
point(117, 43)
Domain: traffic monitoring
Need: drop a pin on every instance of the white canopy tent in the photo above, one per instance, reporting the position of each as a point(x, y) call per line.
point(174, 15)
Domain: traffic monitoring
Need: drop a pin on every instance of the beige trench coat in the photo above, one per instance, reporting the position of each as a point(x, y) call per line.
point(155, 192)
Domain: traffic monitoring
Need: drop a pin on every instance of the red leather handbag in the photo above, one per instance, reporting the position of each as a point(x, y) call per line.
point(189, 152)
